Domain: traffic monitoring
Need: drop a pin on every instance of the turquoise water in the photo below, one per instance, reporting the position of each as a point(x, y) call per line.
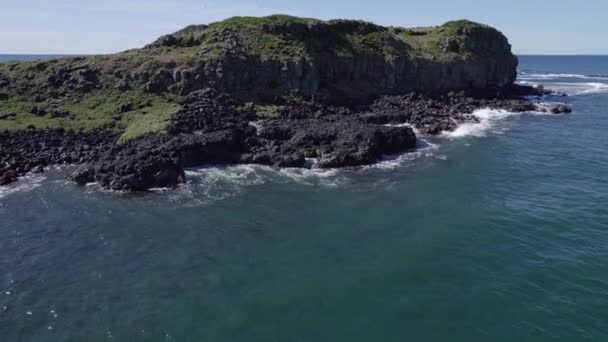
point(496, 232)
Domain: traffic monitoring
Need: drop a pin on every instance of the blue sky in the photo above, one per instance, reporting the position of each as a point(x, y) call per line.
point(105, 26)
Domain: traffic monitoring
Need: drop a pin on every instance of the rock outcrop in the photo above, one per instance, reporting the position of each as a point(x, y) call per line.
point(342, 60)
point(278, 56)
point(276, 90)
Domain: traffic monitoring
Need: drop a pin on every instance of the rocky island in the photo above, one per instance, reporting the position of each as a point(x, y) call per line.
point(275, 90)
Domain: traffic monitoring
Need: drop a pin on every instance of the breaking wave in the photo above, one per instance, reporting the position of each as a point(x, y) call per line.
point(24, 184)
point(578, 85)
point(573, 88)
point(489, 121)
point(542, 76)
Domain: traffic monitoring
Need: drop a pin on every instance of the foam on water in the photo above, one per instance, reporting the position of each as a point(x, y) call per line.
point(24, 184)
point(490, 121)
point(578, 88)
point(525, 75)
point(580, 85)
point(425, 149)
point(220, 182)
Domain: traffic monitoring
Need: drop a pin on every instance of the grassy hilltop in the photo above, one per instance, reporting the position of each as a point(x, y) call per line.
point(260, 60)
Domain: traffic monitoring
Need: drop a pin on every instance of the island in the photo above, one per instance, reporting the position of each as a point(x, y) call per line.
point(277, 90)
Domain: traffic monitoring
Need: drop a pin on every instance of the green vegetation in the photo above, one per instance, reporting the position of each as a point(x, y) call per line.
point(429, 42)
point(277, 20)
point(278, 37)
point(136, 92)
point(268, 111)
point(23, 119)
point(453, 27)
point(154, 119)
point(133, 113)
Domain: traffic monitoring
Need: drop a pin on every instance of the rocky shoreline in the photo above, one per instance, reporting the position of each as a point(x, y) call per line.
point(276, 90)
point(213, 128)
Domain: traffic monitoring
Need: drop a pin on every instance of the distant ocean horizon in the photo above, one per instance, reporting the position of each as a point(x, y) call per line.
point(31, 57)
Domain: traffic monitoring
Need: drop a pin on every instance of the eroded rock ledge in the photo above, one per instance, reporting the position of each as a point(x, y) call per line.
point(213, 128)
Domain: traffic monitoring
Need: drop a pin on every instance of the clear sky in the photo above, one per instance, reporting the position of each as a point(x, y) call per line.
point(105, 26)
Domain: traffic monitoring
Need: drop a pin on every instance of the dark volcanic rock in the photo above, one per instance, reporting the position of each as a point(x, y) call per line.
point(139, 172)
point(208, 110)
point(159, 161)
point(561, 109)
point(39, 111)
point(333, 143)
point(214, 128)
point(339, 91)
point(4, 80)
point(30, 150)
point(160, 81)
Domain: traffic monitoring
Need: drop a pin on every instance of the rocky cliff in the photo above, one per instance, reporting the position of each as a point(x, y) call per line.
point(337, 59)
point(265, 58)
point(276, 90)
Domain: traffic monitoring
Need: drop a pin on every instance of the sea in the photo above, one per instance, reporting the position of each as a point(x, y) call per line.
point(497, 231)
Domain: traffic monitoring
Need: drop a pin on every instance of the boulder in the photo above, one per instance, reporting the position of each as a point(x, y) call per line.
point(38, 111)
point(4, 180)
point(159, 81)
point(334, 143)
point(560, 109)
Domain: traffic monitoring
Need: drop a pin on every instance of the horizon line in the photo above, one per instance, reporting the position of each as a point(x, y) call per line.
point(112, 53)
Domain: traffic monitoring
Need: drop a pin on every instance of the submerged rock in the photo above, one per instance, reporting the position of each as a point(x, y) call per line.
point(556, 108)
point(561, 109)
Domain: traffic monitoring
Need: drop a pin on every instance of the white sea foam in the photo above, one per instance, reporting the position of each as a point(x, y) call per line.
point(571, 88)
point(389, 162)
point(524, 75)
point(26, 183)
point(238, 174)
point(315, 176)
point(592, 88)
point(234, 178)
point(571, 84)
point(580, 88)
point(489, 121)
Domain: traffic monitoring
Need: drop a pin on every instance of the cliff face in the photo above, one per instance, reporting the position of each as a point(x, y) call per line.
point(275, 91)
point(345, 59)
point(264, 61)
point(279, 55)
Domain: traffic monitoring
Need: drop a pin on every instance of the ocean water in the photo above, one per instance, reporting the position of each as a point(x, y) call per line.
point(495, 232)
point(14, 58)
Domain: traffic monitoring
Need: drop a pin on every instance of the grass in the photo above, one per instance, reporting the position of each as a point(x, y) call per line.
point(23, 119)
point(426, 42)
point(270, 46)
point(143, 114)
point(150, 113)
point(344, 38)
point(268, 111)
point(276, 19)
point(154, 119)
